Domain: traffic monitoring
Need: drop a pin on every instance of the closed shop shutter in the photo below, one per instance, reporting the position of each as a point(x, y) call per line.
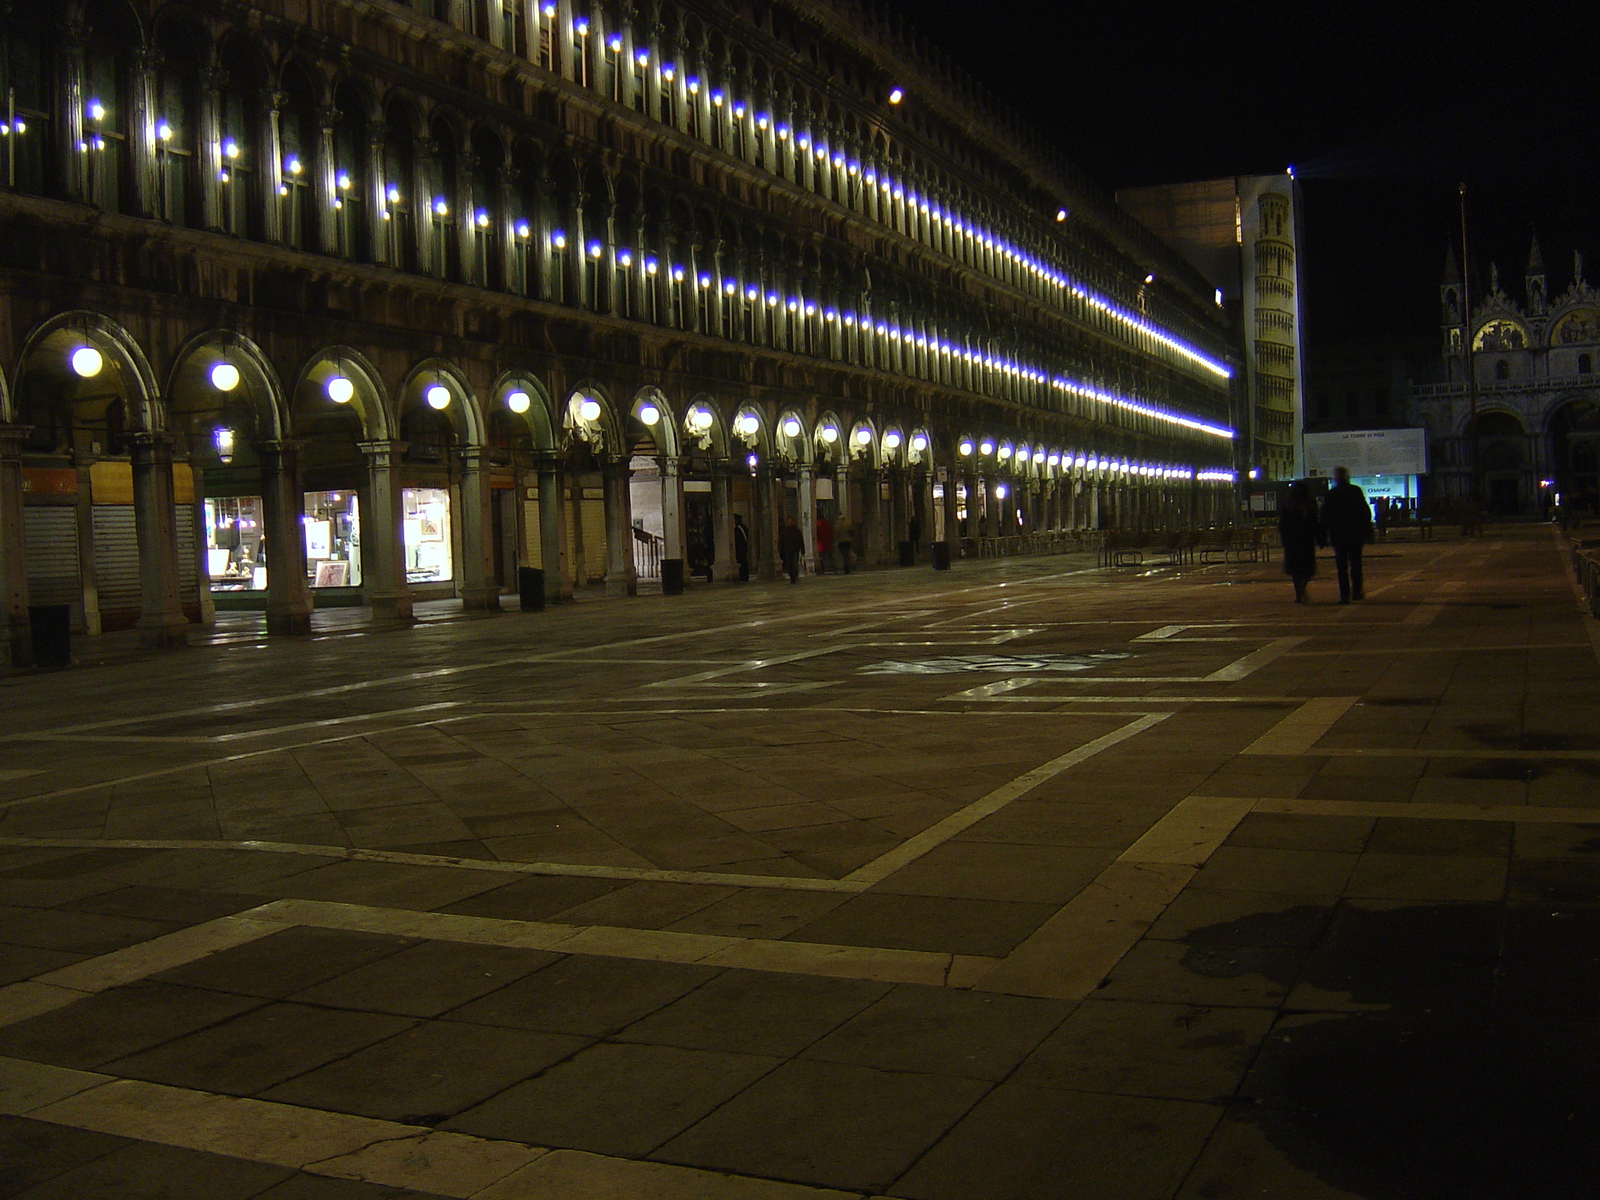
point(532, 546)
point(594, 534)
point(188, 587)
point(116, 564)
point(50, 542)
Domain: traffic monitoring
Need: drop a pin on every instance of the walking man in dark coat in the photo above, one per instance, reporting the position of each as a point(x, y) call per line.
point(791, 545)
point(1347, 526)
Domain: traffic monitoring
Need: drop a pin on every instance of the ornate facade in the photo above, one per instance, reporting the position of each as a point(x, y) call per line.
point(1532, 366)
point(312, 302)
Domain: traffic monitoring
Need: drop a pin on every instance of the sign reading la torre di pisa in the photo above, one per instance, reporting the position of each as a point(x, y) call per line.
point(328, 303)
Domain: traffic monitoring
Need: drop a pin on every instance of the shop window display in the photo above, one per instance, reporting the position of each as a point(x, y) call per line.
point(427, 534)
point(236, 550)
point(333, 539)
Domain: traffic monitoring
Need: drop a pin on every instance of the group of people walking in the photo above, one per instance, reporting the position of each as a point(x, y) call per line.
point(1344, 522)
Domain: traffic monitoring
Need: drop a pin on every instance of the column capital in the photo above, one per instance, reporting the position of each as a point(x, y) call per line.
point(12, 437)
point(151, 445)
point(380, 450)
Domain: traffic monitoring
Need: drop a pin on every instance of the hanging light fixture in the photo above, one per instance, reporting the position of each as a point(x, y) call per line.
point(438, 397)
point(223, 440)
point(518, 402)
point(87, 362)
point(339, 389)
point(589, 409)
point(649, 414)
point(791, 427)
point(830, 434)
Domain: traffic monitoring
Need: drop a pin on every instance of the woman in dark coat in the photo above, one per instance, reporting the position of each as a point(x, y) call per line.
point(1298, 529)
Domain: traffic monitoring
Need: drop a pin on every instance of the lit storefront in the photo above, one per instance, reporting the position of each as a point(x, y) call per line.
point(333, 539)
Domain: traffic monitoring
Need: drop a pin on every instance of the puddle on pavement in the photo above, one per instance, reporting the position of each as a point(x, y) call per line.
point(1475, 1074)
point(998, 664)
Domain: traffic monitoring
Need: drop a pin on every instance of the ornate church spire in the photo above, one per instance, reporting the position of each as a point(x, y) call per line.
point(1534, 280)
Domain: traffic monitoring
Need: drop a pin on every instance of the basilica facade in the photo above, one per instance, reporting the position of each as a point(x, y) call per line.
point(1519, 405)
point(323, 302)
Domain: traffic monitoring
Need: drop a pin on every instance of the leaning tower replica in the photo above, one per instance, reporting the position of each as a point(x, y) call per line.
point(1275, 338)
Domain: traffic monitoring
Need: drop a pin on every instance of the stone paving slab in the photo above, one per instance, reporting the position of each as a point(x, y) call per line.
point(840, 890)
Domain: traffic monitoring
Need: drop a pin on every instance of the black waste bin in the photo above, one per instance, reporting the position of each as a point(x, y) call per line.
point(908, 554)
point(941, 556)
point(51, 628)
point(530, 584)
point(672, 576)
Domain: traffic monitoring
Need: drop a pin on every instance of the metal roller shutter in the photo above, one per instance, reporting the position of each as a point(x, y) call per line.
point(50, 542)
point(116, 564)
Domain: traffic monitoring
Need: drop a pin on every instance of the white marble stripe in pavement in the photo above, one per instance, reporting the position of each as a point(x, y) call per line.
point(940, 832)
point(341, 1146)
point(1300, 730)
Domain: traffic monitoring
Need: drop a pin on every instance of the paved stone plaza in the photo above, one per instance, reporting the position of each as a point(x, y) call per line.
point(1029, 880)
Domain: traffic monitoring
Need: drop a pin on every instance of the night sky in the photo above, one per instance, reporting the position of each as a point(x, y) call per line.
point(1382, 110)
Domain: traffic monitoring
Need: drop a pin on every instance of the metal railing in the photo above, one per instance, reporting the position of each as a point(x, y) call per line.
point(646, 554)
point(1586, 568)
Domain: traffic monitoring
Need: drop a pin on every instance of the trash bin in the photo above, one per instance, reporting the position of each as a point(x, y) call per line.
point(908, 554)
point(51, 628)
point(941, 556)
point(672, 576)
point(530, 584)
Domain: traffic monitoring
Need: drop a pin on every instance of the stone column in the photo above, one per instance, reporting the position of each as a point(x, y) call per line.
point(476, 582)
point(269, 174)
point(952, 528)
point(161, 621)
point(622, 578)
point(324, 189)
point(142, 156)
point(202, 565)
point(673, 534)
point(377, 199)
point(464, 205)
point(383, 573)
point(722, 522)
point(552, 534)
point(764, 518)
point(72, 163)
point(806, 494)
point(282, 514)
point(16, 646)
point(869, 524)
point(208, 152)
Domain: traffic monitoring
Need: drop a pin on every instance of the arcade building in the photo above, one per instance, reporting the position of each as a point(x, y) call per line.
point(311, 303)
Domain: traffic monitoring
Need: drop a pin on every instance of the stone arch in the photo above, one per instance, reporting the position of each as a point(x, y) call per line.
point(664, 429)
point(463, 411)
point(198, 386)
point(864, 450)
point(790, 437)
point(368, 399)
point(122, 374)
point(601, 431)
point(535, 419)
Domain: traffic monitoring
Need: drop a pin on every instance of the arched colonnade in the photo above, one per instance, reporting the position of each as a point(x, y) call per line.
point(150, 490)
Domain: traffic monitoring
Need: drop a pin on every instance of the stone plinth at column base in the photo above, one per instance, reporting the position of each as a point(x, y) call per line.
point(163, 633)
point(392, 608)
point(480, 600)
point(288, 622)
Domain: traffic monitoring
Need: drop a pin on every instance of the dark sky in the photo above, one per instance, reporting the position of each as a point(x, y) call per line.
point(1381, 109)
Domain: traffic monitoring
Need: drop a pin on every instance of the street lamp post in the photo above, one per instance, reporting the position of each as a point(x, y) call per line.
point(1472, 378)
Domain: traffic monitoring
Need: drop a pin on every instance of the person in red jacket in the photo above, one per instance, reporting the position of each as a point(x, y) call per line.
point(824, 543)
